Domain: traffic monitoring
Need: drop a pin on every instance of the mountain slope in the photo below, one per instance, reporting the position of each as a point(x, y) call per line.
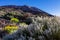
point(24, 9)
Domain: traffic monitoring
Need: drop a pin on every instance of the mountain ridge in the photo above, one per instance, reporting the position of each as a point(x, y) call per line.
point(25, 8)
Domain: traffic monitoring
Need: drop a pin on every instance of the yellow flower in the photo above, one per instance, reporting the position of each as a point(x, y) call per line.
point(11, 28)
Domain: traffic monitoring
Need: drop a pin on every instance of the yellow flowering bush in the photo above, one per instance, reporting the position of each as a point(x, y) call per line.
point(14, 19)
point(11, 28)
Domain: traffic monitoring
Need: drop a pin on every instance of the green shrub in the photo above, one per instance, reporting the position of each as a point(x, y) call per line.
point(15, 20)
point(28, 21)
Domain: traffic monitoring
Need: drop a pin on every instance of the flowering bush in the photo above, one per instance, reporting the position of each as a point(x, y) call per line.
point(14, 20)
point(11, 28)
point(22, 24)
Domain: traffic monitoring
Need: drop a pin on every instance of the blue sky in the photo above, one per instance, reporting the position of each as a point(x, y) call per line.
point(50, 6)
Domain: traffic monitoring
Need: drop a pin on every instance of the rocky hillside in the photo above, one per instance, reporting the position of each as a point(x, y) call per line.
point(28, 23)
point(22, 13)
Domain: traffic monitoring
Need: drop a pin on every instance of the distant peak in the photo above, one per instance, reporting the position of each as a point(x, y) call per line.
point(26, 8)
